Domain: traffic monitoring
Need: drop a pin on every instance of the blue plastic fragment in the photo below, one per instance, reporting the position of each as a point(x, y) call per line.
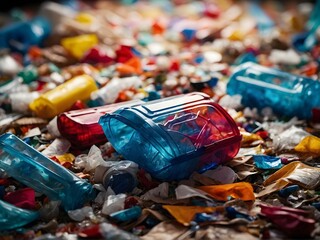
point(267, 162)
point(206, 217)
point(286, 192)
point(316, 205)
point(12, 217)
point(264, 23)
point(127, 215)
point(233, 213)
point(188, 34)
point(246, 57)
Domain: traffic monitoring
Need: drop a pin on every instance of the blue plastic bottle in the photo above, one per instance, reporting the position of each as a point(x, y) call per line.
point(33, 169)
point(287, 94)
point(22, 35)
point(12, 217)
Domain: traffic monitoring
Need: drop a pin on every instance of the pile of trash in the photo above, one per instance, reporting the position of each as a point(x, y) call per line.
point(160, 120)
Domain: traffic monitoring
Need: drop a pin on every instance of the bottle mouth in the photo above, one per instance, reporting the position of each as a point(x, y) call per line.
point(120, 181)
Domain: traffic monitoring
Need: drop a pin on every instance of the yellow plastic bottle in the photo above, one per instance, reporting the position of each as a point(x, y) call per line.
point(60, 99)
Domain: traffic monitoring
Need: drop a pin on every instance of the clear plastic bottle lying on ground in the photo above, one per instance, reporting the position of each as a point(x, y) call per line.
point(33, 169)
point(172, 137)
point(287, 94)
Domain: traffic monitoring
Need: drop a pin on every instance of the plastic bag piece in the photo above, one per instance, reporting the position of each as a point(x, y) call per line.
point(172, 137)
point(81, 127)
point(287, 94)
point(309, 144)
point(113, 204)
point(110, 92)
point(288, 139)
point(90, 161)
point(294, 222)
point(61, 98)
point(22, 35)
point(33, 169)
point(12, 217)
point(185, 214)
point(241, 190)
point(293, 173)
point(111, 232)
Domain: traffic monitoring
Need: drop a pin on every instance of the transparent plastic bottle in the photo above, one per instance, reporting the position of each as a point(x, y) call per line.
point(30, 167)
point(287, 94)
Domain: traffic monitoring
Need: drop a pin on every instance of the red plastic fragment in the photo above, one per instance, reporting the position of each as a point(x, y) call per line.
point(294, 222)
point(23, 198)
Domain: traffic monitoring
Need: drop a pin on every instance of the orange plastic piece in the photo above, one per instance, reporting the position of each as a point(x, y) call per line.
point(185, 214)
point(132, 66)
point(63, 97)
point(309, 144)
point(158, 28)
point(34, 52)
point(68, 157)
point(242, 190)
point(125, 69)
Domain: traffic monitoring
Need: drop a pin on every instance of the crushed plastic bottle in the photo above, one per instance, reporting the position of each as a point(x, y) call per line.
point(30, 167)
point(287, 94)
point(173, 137)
